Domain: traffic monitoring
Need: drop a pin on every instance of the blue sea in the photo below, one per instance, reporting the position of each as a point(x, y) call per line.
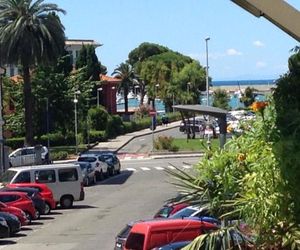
point(234, 99)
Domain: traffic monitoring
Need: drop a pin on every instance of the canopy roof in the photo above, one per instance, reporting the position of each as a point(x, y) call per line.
point(201, 109)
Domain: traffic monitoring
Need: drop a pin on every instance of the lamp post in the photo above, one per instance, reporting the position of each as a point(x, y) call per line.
point(207, 84)
point(98, 96)
point(2, 167)
point(77, 92)
point(111, 97)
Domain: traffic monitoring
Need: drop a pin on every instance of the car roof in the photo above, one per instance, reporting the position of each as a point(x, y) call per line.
point(12, 193)
point(168, 223)
point(49, 166)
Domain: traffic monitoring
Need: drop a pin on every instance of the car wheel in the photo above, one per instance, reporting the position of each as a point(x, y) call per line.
point(47, 208)
point(37, 214)
point(86, 182)
point(111, 171)
point(29, 217)
point(66, 201)
point(95, 179)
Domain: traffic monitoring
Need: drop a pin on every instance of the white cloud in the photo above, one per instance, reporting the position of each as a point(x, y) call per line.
point(260, 64)
point(258, 43)
point(233, 52)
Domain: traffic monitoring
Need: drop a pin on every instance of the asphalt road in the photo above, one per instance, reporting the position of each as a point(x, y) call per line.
point(137, 193)
point(144, 144)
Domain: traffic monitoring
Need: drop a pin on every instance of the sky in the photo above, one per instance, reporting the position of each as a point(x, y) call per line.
point(241, 46)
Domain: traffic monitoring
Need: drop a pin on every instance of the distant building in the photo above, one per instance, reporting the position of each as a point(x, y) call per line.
point(73, 46)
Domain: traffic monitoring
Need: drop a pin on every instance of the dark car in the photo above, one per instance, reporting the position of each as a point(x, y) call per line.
point(4, 229)
point(34, 195)
point(122, 236)
point(13, 222)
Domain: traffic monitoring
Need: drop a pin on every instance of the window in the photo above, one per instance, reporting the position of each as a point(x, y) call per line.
point(45, 176)
point(164, 212)
point(23, 177)
point(135, 241)
point(7, 176)
point(87, 159)
point(8, 198)
point(69, 174)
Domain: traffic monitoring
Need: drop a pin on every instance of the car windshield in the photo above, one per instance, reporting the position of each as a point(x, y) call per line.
point(87, 158)
point(164, 212)
point(125, 231)
point(7, 176)
point(186, 212)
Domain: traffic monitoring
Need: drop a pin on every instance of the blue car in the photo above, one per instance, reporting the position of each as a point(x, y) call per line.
point(173, 246)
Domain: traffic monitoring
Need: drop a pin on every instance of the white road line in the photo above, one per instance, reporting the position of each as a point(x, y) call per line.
point(171, 167)
point(131, 169)
point(159, 168)
point(187, 166)
point(140, 157)
point(127, 157)
point(145, 169)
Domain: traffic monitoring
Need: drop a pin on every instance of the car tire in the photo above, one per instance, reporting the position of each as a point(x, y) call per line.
point(28, 216)
point(66, 201)
point(47, 208)
point(87, 182)
point(37, 214)
point(111, 171)
point(95, 179)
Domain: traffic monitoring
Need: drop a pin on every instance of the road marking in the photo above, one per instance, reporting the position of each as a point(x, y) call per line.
point(171, 167)
point(131, 169)
point(145, 169)
point(159, 168)
point(187, 166)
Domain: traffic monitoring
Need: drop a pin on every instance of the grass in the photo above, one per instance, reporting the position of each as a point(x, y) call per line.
point(194, 144)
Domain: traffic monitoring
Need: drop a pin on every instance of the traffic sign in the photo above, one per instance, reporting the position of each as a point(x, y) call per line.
point(152, 112)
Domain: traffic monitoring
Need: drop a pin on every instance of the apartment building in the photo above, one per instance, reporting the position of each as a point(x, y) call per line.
point(73, 46)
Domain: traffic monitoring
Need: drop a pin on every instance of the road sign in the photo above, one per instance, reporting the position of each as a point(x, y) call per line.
point(152, 112)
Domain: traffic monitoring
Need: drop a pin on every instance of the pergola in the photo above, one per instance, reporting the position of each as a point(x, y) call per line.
point(206, 110)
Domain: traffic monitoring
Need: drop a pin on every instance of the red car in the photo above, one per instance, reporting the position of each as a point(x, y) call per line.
point(20, 200)
point(44, 190)
point(15, 211)
point(170, 209)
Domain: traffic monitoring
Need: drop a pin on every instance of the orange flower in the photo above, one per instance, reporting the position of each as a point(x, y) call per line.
point(259, 106)
point(241, 157)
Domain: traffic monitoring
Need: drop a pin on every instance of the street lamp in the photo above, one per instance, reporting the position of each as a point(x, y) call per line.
point(98, 96)
point(77, 92)
point(207, 84)
point(111, 97)
point(2, 73)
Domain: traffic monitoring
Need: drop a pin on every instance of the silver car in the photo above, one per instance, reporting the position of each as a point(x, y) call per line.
point(88, 173)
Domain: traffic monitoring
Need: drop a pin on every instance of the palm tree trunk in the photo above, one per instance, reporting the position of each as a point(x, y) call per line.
point(126, 101)
point(28, 107)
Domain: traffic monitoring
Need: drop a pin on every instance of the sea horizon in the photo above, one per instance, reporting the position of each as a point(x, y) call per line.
point(243, 82)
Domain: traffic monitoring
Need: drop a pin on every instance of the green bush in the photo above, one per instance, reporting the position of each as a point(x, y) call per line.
point(164, 143)
point(57, 139)
point(98, 118)
point(114, 126)
point(60, 155)
point(97, 136)
point(15, 143)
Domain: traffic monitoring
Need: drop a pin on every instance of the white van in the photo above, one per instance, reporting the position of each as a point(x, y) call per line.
point(65, 180)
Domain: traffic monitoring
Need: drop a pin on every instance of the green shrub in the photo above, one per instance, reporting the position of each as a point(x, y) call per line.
point(164, 143)
point(15, 143)
point(114, 126)
point(60, 155)
point(98, 118)
point(97, 136)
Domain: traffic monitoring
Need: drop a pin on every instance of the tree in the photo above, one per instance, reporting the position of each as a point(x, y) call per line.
point(221, 99)
point(125, 72)
point(30, 33)
point(248, 97)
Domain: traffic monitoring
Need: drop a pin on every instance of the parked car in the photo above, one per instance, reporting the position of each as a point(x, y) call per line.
point(44, 191)
point(101, 167)
point(122, 236)
point(13, 222)
point(191, 211)
point(15, 211)
point(150, 234)
point(113, 162)
point(27, 156)
point(88, 173)
point(33, 194)
point(170, 209)
point(20, 200)
point(4, 229)
point(65, 180)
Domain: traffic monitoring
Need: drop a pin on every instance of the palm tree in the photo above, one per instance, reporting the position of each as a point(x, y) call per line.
point(125, 72)
point(30, 33)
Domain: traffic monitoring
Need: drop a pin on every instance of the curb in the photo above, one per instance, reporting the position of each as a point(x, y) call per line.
point(179, 155)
